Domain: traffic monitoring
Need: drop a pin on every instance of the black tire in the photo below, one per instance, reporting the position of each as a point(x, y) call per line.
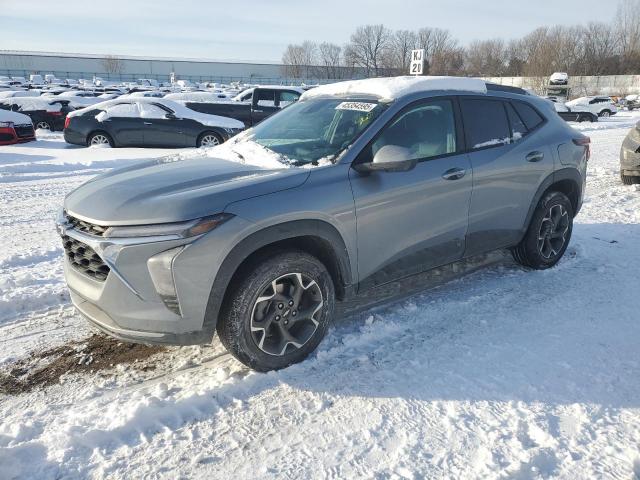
point(542, 236)
point(204, 135)
point(105, 135)
point(234, 325)
point(629, 179)
point(605, 113)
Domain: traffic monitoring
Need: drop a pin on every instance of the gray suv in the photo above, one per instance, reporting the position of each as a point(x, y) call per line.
point(356, 185)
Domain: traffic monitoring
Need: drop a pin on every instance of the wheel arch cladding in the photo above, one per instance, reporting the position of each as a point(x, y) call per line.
point(567, 181)
point(316, 237)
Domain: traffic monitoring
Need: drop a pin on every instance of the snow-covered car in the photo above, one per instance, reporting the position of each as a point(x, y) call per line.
point(46, 113)
point(601, 105)
point(147, 122)
point(20, 93)
point(80, 98)
point(15, 128)
point(570, 115)
point(559, 78)
point(202, 97)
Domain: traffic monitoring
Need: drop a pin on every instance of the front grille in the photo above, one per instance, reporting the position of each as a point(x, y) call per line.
point(23, 131)
point(84, 259)
point(86, 227)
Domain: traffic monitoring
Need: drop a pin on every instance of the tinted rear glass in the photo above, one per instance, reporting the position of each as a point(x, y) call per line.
point(485, 123)
point(529, 116)
point(518, 128)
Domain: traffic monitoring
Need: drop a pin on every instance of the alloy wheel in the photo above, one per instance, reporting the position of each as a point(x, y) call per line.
point(605, 114)
point(283, 318)
point(553, 232)
point(43, 126)
point(99, 139)
point(209, 140)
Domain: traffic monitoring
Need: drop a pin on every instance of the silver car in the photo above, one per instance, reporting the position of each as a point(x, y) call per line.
point(373, 181)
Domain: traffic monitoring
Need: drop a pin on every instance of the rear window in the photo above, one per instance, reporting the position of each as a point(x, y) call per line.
point(518, 128)
point(485, 123)
point(530, 117)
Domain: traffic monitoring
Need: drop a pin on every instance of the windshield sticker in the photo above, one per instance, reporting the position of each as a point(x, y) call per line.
point(357, 106)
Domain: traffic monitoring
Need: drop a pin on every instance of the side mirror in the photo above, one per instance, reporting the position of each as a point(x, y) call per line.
point(390, 158)
point(170, 116)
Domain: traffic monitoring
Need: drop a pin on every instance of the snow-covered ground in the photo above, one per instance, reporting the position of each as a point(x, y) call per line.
point(503, 373)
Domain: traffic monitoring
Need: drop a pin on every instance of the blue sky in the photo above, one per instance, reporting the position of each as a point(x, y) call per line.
point(260, 30)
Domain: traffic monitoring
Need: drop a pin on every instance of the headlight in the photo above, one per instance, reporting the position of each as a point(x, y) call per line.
point(6, 124)
point(186, 229)
point(233, 131)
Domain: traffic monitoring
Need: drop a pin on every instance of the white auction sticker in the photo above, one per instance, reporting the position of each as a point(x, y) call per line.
point(358, 106)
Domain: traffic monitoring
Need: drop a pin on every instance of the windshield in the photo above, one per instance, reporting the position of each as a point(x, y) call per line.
point(315, 130)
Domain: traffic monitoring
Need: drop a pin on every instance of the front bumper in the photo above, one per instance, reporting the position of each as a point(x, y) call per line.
point(630, 157)
point(126, 304)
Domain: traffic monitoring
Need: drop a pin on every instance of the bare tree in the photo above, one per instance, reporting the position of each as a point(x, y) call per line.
point(330, 58)
point(367, 48)
point(112, 64)
point(299, 60)
point(627, 24)
point(486, 58)
point(399, 51)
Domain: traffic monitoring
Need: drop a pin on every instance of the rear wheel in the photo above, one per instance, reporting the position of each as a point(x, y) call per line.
point(605, 113)
point(549, 233)
point(209, 139)
point(42, 125)
point(100, 138)
point(278, 312)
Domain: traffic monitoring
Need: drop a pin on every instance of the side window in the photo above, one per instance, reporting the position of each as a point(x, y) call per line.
point(148, 110)
point(426, 130)
point(287, 98)
point(265, 98)
point(485, 123)
point(530, 117)
point(518, 128)
point(123, 110)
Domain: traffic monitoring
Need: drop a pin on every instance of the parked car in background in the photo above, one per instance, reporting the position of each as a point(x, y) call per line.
point(601, 105)
point(80, 98)
point(252, 242)
point(15, 128)
point(197, 97)
point(559, 78)
point(578, 115)
point(265, 101)
point(147, 122)
point(20, 93)
point(47, 113)
point(630, 157)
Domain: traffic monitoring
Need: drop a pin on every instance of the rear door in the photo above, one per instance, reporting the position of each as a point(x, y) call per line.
point(160, 130)
point(411, 221)
point(264, 104)
point(509, 161)
point(123, 122)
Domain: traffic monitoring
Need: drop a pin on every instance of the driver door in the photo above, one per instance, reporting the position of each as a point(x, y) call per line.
point(160, 131)
point(409, 222)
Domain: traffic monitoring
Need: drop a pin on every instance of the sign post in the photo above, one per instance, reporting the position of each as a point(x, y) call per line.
point(417, 62)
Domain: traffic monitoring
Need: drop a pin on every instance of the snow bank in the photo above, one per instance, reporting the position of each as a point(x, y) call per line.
point(394, 87)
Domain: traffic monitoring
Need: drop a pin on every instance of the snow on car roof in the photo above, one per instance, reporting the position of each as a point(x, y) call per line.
point(33, 103)
point(15, 117)
point(179, 109)
point(395, 87)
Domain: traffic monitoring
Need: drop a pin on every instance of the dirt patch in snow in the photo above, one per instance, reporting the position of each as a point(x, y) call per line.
point(95, 353)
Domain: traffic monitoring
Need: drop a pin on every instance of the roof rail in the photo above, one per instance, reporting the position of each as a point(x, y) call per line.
point(496, 87)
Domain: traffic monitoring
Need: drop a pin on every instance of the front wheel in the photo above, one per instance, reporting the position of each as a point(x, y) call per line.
point(277, 313)
point(605, 113)
point(209, 139)
point(549, 233)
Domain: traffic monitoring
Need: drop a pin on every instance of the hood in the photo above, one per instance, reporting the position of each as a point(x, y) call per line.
point(15, 117)
point(165, 190)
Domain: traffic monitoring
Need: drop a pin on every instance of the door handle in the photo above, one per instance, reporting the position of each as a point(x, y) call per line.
point(148, 123)
point(258, 111)
point(535, 157)
point(454, 174)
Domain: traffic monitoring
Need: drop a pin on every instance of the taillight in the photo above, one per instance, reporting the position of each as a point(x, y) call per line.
point(586, 143)
point(66, 122)
point(56, 114)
